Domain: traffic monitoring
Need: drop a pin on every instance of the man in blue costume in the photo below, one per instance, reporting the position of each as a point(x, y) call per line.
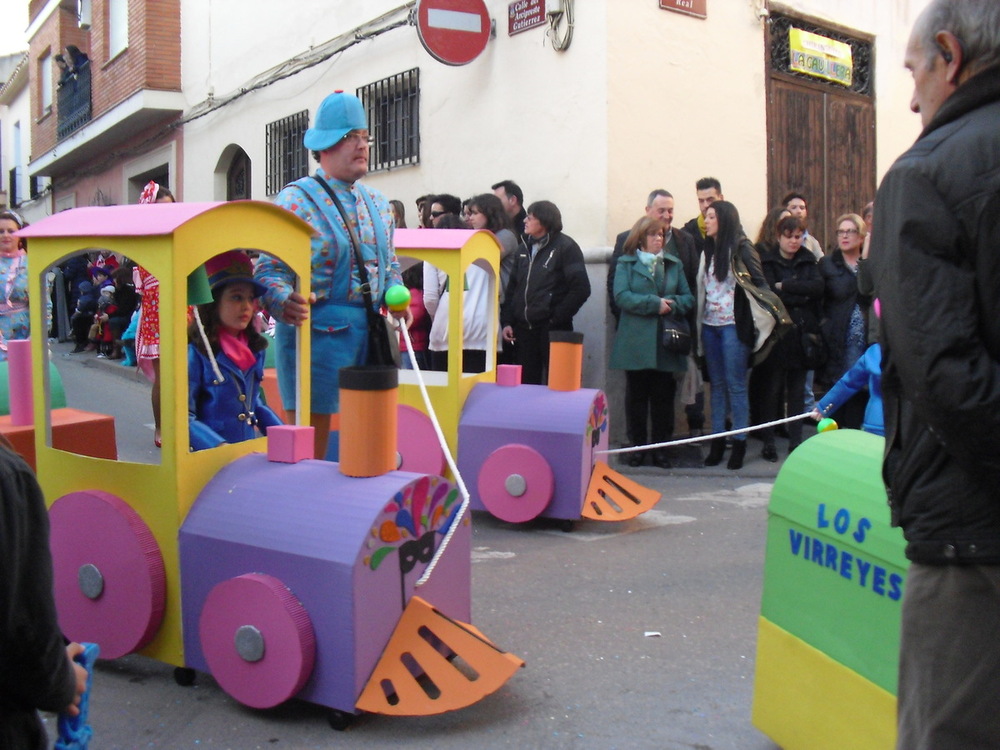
point(339, 141)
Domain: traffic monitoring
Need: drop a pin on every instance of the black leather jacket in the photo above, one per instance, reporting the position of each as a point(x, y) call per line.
point(935, 264)
point(549, 289)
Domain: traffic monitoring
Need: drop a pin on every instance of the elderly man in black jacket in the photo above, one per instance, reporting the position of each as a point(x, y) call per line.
point(548, 285)
point(936, 266)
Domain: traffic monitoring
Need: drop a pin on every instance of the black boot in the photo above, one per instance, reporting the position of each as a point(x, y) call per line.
point(716, 452)
point(737, 454)
point(660, 459)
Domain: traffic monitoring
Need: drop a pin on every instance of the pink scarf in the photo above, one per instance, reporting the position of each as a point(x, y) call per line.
point(235, 347)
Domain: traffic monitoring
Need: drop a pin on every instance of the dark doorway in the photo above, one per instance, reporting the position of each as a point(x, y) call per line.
point(821, 135)
point(238, 177)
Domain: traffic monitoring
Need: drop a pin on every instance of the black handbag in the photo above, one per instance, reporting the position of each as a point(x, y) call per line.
point(676, 334)
point(383, 341)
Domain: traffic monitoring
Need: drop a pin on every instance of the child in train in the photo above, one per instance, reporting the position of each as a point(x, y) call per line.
point(226, 358)
point(866, 371)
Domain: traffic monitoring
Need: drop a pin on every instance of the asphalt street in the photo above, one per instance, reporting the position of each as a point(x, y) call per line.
point(636, 634)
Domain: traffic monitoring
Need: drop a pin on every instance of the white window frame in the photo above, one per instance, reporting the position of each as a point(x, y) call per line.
point(117, 27)
point(45, 82)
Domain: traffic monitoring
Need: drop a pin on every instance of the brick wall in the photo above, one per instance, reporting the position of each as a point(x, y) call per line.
point(151, 60)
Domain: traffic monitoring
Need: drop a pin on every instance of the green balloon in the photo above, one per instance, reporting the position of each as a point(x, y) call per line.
point(826, 424)
point(397, 298)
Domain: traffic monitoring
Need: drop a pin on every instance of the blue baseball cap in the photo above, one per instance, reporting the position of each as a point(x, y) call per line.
point(337, 116)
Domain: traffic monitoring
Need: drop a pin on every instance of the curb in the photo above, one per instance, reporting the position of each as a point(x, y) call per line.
point(60, 351)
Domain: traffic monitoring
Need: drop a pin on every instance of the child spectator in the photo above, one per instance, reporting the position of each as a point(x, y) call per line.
point(420, 328)
point(83, 316)
point(126, 301)
point(226, 358)
point(100, 277)
point(106, 308)
point(127, 341)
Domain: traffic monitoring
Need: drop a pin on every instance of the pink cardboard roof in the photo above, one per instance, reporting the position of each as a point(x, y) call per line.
point(444, 239)
point(132, 220)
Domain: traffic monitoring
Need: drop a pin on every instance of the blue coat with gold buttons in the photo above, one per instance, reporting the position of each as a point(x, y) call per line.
point(226, 412)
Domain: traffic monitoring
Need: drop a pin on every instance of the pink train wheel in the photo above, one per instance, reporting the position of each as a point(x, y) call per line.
point(257, 639)
point(110, 581)
point(515, 483)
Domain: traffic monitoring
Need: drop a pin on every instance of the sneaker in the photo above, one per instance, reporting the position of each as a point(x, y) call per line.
point(79, 350)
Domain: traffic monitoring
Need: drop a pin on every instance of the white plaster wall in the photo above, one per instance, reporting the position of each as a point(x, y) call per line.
point(687, 101)
point(520, 111)
point(19, 110)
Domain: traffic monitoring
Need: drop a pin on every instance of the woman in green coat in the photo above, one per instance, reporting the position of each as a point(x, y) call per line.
point(649, 284)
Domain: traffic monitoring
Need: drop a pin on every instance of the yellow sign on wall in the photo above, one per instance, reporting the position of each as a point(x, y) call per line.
point(820, 56)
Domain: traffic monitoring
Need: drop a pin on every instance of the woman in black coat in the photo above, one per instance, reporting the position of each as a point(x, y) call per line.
point(793, 275)
point(844, 328)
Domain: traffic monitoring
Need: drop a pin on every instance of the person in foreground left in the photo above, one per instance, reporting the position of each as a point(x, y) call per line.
point(37, 671)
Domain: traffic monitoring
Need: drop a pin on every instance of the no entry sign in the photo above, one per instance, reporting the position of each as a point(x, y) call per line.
point(453, 31)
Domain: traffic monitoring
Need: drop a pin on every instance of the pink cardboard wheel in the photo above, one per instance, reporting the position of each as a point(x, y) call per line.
point(110, 580)
point(257, 639)
point(515, 483)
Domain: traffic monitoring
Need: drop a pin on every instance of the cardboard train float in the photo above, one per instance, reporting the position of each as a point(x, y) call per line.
point(281, 575)
point(834, 575)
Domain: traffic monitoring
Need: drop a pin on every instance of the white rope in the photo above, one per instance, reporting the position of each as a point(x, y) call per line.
point(208, 347)
point(447, 455)
point(703, 438)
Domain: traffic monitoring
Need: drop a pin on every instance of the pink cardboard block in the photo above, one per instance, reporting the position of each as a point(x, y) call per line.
point(290, 443)
point(509, 375)
point(22, 403)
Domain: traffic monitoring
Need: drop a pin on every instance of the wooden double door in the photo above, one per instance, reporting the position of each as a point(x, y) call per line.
point(822, 144)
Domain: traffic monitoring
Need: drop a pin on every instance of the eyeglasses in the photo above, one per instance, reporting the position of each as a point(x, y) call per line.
point(846, 232)
point(356, 137)
point(435, 214)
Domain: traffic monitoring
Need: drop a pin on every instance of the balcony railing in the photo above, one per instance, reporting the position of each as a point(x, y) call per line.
point(74, 101)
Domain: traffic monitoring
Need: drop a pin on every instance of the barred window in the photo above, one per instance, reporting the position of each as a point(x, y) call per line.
point(287, 158)
point(393, 106)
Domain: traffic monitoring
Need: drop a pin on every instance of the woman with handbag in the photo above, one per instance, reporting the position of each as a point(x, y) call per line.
point(728, 331)
point(793, 274)
point(649, 288)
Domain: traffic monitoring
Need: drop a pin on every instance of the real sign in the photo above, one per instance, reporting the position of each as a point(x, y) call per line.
point(696, 8)
point(454, 32)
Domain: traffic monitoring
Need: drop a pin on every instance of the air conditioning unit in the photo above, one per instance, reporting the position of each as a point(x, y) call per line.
point(83, 13)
